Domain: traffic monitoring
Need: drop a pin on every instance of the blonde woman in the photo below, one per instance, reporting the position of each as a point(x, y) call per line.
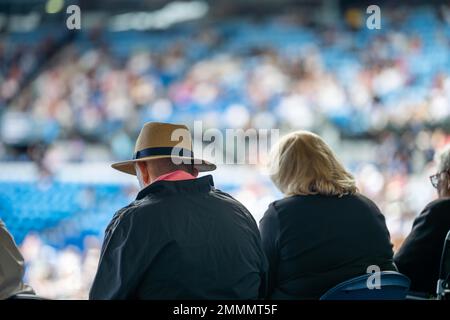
point(323, 231)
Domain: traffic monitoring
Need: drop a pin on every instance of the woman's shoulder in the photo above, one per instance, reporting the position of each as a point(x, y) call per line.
point(281, 206)
point(296, 201)
point(364, 199)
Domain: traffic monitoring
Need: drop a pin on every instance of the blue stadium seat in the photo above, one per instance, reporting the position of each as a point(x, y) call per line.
point(393, 286)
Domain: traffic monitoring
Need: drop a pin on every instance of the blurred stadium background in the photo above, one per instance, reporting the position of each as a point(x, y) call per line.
point(73, 101)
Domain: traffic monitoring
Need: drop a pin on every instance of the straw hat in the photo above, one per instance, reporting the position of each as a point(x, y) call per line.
point(163, 140)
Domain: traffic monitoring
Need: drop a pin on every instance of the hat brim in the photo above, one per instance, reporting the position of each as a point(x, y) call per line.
point(129, 165)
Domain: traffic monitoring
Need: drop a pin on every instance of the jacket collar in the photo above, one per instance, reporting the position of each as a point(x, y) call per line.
point(202, 184)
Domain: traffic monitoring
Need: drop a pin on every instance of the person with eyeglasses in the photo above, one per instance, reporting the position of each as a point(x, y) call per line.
point(419, 256)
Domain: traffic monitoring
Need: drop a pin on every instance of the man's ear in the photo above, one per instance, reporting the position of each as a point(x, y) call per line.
point(144, 172)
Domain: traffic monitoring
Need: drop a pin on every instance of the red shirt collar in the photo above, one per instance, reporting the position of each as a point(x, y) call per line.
point(175, 176)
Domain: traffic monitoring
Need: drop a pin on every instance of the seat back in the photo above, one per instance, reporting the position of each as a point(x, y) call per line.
point(393, 286)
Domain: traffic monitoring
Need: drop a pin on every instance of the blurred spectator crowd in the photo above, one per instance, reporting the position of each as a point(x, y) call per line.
point(387, 89)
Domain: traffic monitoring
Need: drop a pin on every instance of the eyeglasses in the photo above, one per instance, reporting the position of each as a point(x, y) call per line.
point(435, 178)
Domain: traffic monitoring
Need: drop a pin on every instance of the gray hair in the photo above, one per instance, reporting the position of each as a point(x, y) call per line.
point(444, 159)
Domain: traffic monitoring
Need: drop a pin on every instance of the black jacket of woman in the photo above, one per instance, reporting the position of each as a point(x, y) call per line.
point(315, 242)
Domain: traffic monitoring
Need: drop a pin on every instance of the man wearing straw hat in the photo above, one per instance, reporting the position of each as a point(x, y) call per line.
point(181, 238)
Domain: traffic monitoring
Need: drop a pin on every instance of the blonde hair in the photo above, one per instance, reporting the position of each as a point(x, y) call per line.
point(303, 164)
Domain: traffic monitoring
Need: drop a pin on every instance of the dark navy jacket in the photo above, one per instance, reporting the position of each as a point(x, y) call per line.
point(181, 240)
